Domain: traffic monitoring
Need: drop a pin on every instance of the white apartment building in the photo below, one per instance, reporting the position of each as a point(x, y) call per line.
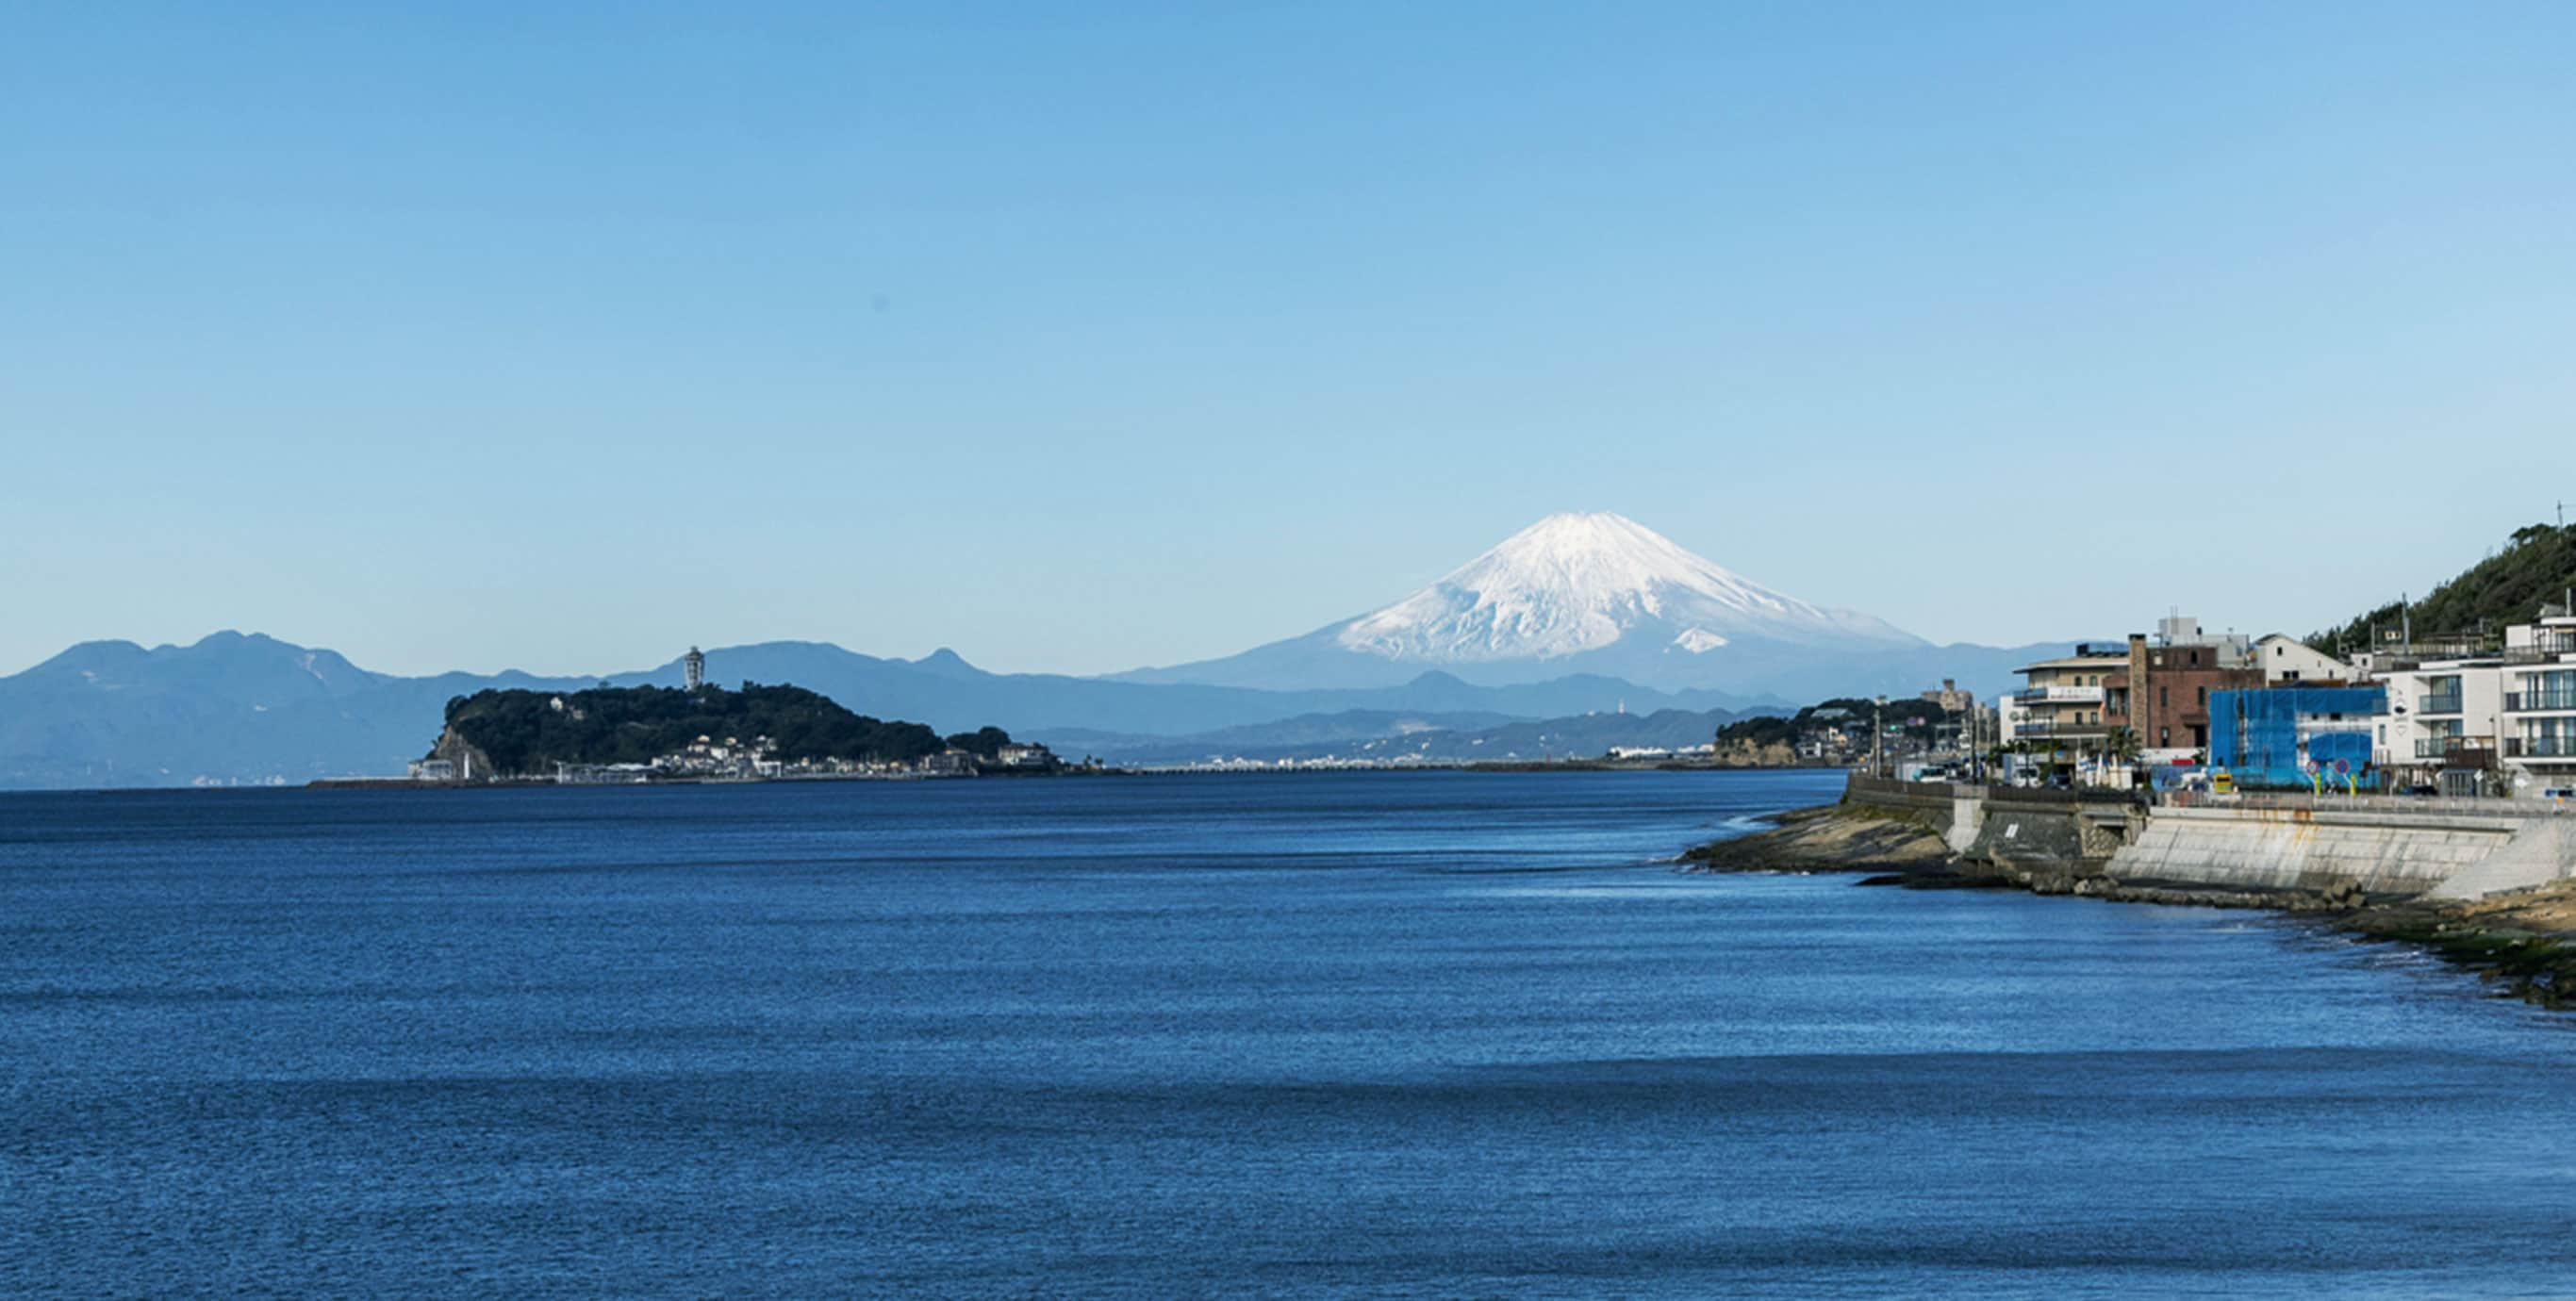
point(2539, 718)
point(2481, 720)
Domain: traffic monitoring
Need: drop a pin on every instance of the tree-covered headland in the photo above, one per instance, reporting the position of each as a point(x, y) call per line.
point(531, 731)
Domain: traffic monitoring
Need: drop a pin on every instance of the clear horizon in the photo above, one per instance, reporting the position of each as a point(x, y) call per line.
point(481, 339)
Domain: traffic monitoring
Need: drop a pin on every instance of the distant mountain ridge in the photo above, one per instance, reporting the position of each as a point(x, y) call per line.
point(236, 708)
point(1577, 615)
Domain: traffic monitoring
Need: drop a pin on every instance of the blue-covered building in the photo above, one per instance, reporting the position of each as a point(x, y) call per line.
point(2267, 739)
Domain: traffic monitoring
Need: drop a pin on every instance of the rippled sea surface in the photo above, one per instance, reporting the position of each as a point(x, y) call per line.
point(1370, 1033)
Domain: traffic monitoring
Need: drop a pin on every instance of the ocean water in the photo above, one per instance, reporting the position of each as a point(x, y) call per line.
point(1370, 1034)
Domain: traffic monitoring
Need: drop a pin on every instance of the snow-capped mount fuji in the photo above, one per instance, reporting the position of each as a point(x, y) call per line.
point(1601, 594)
point(1576, 583)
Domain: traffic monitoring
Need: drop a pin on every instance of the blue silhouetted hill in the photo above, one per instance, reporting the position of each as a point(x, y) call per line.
point(235, 708)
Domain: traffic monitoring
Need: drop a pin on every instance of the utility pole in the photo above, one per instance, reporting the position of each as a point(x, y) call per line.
point(1878, 739)
point(1976, 741)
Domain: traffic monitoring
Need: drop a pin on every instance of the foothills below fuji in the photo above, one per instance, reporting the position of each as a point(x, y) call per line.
point(1577, 614)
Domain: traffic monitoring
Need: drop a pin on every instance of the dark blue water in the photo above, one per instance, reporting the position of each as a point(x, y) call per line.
point(1400, 1033)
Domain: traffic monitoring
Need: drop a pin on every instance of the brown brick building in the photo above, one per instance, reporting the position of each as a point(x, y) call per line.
point(2164, 698)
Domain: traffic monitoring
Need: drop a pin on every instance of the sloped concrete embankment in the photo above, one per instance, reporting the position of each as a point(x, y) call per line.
point(2381, 853)
point(2542, 850)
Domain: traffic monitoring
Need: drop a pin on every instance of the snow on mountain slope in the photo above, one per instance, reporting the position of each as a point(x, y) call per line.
point(1576, 583)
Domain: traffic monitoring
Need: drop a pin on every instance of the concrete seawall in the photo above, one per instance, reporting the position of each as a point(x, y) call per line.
point(2300, 849)
point(2437, 849)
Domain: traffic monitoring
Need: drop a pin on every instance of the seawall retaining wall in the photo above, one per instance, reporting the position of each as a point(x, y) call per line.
point(2447, 849)
point(2303, 849)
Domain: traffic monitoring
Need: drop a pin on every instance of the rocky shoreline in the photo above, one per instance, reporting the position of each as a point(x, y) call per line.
point(2525, 942)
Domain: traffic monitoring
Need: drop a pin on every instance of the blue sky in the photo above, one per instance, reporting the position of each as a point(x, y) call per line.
point(1078, 337)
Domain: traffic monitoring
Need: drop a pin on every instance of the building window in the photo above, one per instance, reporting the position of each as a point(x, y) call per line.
point(2163, 697)
point(2204, 697)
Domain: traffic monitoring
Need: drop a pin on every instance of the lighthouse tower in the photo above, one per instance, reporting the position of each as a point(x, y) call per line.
point(694, 665)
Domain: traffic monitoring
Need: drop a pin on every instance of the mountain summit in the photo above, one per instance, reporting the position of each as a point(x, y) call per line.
point(1574, 583)
point(1590, 593)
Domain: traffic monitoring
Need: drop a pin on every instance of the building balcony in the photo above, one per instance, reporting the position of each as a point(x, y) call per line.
point(2531, 702)
point(2540, 747)
point(2443, 747)
point(2442, 704)
point(2061, 732)
point(2547, 644)
point(2058, 696)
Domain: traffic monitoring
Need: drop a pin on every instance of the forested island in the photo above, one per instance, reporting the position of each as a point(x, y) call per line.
point(646, 732)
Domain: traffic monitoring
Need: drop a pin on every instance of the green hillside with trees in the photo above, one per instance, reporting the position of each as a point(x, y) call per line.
point(1914, 717)
point(2536, 567)
point(525, 731)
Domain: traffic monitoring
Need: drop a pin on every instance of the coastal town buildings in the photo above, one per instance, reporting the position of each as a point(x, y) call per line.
point(2441, 724)
point(1834, 735)
point(731, 757)
point(2164, 702)
point(2101, 713)
point(2538, 721)
point(2483, 723)
point(2059, 717)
